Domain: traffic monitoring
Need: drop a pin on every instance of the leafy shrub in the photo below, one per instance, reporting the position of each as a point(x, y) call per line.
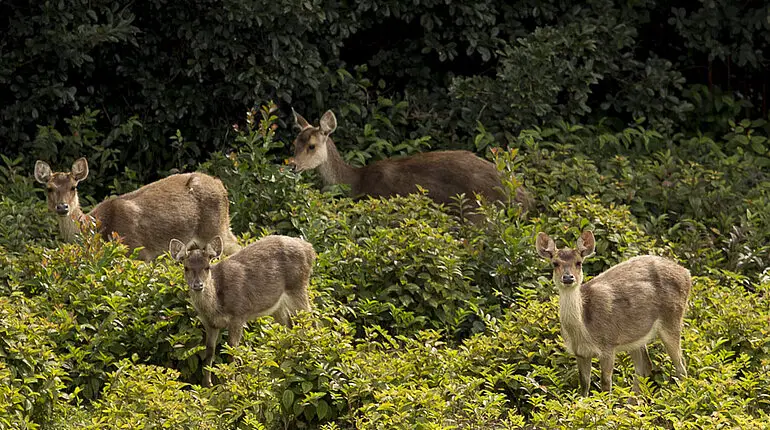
point(105, 306)
point(142, 396)
point(31, 374)
point(290, 378)
point(399, 272)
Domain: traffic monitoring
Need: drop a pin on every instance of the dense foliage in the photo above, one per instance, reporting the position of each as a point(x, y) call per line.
point(642, 121)
point(142, 72)
point(419, 320)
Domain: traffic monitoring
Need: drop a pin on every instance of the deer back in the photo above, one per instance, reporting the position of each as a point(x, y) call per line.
point(192, 207)
point(622, 305)
point(253, 280)
point(444, 174)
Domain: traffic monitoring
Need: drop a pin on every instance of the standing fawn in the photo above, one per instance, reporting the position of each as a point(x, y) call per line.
point(189, 206)
point(621, 309)
point(268, 277)
point(445, 174)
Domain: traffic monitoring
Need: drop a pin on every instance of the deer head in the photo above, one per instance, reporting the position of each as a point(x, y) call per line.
point(310, 145)
point(567, 263)
point(196, 261)
point(61, 187)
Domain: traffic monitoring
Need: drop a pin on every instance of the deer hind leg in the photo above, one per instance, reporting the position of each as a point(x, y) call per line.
point(672, 340)
point(642, 364)
point(584, 372)
point(212, 337)
point(607, 363)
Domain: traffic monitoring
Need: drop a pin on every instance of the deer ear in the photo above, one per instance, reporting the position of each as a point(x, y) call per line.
point(215, 247)
point(545, 246)
point(42, 171)
point(299, 121)
point(586, 244)
point(177, 249)
point(80, 169)
point(328, 122)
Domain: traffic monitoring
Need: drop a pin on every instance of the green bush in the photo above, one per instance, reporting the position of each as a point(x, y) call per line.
point(399, 271)
point(106, 306)
point(32, 376)
point(141, 396)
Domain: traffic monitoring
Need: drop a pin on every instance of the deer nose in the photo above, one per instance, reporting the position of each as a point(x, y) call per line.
point(292, 163)
point(197, 285)
point(62, 208)
point(567, 278)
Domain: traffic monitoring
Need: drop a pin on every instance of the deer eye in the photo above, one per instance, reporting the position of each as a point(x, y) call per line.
point(73, 188)
point(311, 146)
point(555, 265)
point(207, 268)
point(50, 190)
point(578, 264)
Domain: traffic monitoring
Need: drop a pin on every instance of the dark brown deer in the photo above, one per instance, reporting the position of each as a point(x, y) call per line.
point(189, 206)
point(268, 277)
point(445, 174)
point(621, 309)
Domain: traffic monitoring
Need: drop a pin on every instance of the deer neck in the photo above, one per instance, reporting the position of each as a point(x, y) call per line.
point(335, 170)
point(573, 329)
point(206, 301)
point(68, 224)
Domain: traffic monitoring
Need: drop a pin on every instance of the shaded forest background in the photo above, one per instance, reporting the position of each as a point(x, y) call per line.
point(408, 69)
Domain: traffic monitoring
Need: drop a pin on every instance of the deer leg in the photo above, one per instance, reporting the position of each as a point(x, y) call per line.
point(607, 362)
point(584, 372)
point(212, 336)
point(642, 364)
point(672, 340)
point(234, 332)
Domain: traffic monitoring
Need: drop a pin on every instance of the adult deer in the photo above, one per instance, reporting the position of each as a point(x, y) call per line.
point(621, 309)
point(268, 277)
point(445, 174)
point(189, 206)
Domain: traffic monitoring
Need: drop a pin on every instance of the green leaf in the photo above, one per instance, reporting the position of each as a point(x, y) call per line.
point(323, 409)
point(288, 399)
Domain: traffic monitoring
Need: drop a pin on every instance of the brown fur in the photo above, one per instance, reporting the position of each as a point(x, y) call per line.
point(268, 277)
point(445, 174)
point(189, 206)
point(621, 309)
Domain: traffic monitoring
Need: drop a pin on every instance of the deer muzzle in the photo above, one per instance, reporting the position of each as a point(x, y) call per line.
point(197, 285)
point(567, 279)
point(62, 209)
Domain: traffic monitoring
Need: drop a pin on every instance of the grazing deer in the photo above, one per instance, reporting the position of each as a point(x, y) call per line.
point(445, 174)
point(621, 309)
point(189, 206)
point(268, 277)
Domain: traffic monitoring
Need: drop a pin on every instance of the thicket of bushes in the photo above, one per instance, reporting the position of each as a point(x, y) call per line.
point(422, 321)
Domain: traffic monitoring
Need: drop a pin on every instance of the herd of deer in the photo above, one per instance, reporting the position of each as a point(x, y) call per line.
point(187, 215)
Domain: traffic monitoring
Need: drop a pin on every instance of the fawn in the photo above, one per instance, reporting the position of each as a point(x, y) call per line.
point(621, 309)
point(268, 277)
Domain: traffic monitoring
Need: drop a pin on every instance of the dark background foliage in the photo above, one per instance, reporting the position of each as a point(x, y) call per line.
point(153, 68)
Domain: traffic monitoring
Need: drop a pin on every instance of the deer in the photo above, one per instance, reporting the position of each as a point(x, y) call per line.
point(267, 277)
point(188, 206)
point(445, 174)
point(621, 309)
